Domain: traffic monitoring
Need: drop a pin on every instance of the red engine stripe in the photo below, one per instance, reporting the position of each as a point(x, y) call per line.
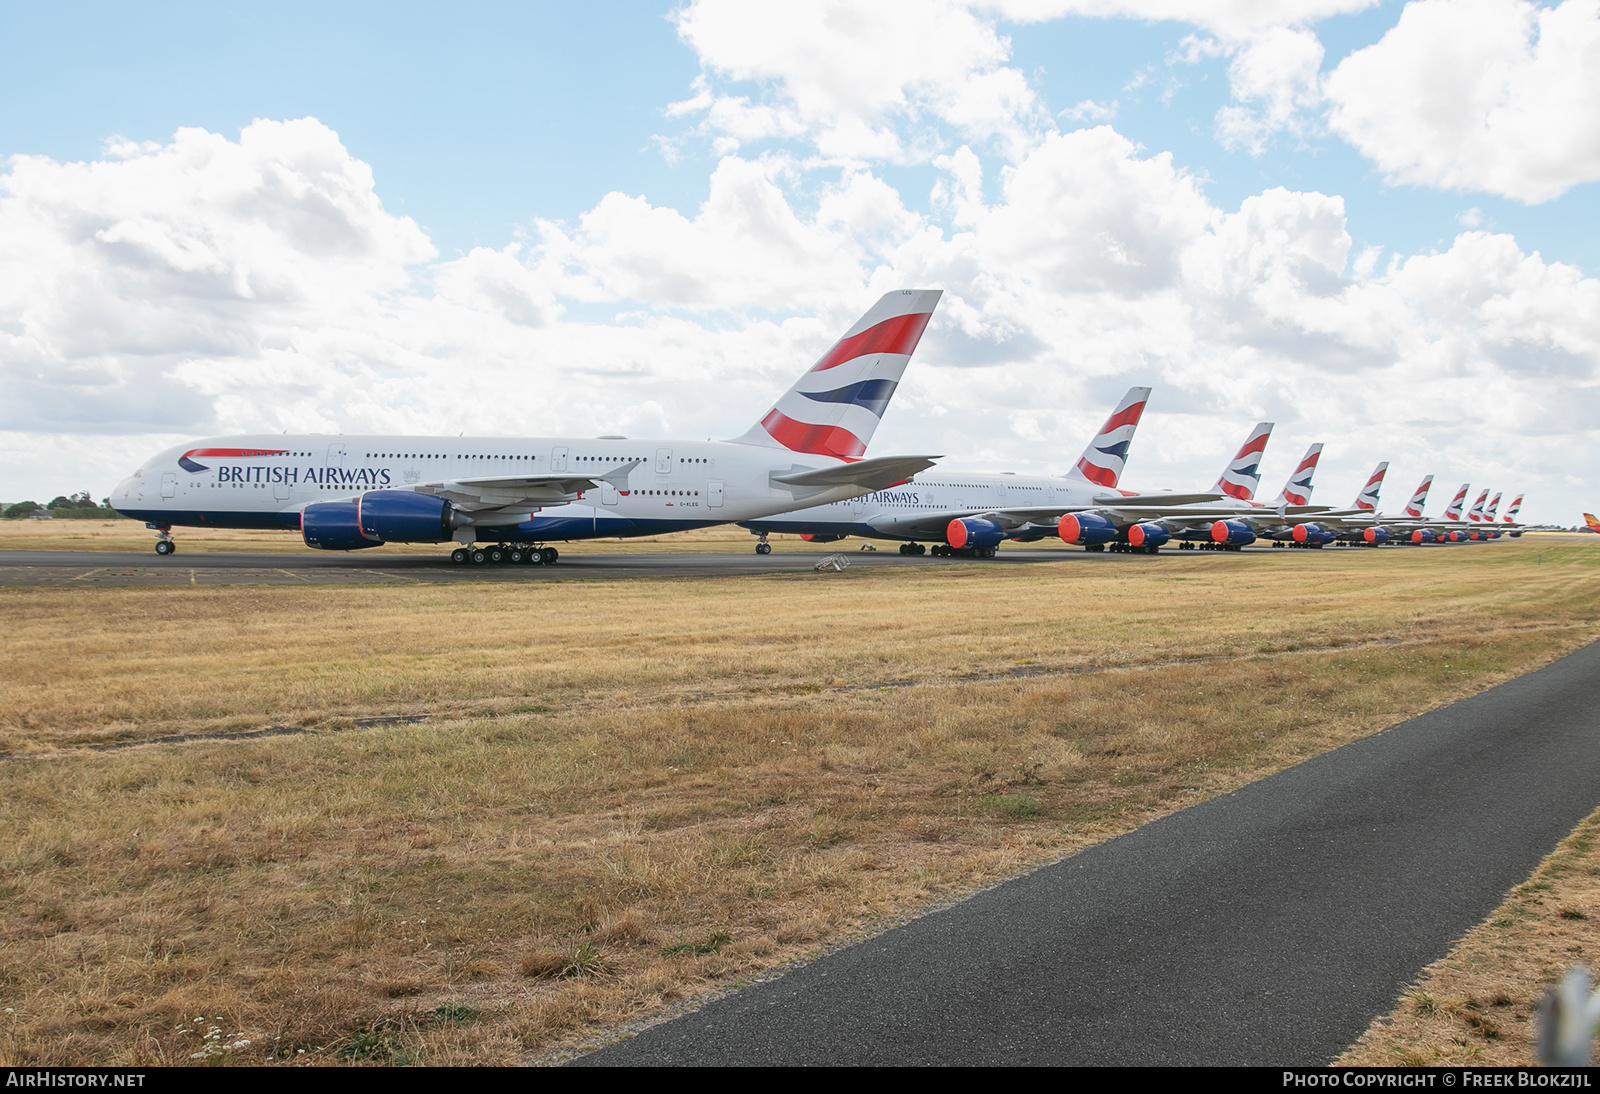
point(819, 440)
point(897, 335)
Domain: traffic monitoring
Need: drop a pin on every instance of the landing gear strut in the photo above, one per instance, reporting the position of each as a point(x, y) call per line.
point(762, 546)
point(165, 544)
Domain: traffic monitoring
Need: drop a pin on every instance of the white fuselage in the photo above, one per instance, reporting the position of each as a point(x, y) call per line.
point(265, 481)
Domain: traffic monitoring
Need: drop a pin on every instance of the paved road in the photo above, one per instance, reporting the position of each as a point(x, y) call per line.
point(1267, 926)
point(227, 568)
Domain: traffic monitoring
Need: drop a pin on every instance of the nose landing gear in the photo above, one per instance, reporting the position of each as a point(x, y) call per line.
point(165, 544)
point(762, 546)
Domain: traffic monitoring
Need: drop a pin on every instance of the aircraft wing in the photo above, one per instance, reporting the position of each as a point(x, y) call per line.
point(879, 473)
point(1154, 500)
point(513, 492)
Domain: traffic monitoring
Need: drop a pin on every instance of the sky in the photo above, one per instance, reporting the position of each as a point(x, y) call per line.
point(1374, 223)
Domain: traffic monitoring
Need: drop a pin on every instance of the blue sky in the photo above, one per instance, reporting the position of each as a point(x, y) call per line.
point(757, 218)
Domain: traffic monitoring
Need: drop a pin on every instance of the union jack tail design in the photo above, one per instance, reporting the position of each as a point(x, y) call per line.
point(1243, 473)
point(834, 408)
point(1368, 498)
point(1494, 507)
point(1420, 498)
point(1476, 512)
point(1516, 507)
point(1297, 491)
point(1589, 519)
point(1102, 462)
point(1453, 510)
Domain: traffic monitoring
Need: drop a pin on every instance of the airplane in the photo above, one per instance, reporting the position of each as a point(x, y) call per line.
point(968, 514)
point(516, 494)
point(1592, 523)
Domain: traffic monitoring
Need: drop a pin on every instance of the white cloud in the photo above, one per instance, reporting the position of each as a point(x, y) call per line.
point(1489, 95)
point(1275, 80)
point(209, 285)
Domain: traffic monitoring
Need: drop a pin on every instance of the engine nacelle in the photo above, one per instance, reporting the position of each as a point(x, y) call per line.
point(1086, 528)
point(400, 516)
point(333, 526)
point(1149, 534)
point(1376, 535)
point(1233, 533)
point(1424, 535)
point(1456, 537)
point(973, 532)
point(1311, 534)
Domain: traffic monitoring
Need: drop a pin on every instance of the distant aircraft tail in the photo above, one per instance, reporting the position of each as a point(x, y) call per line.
point(1420, 499)
point(1476, 512)
point(1516, 507)
point(1102, 462)
point(1453, 510)
point(1594, 525)
point(835, 407)
point(1297, 491)
point(1368, 498)
point(1494, 507)
point(1243, 473)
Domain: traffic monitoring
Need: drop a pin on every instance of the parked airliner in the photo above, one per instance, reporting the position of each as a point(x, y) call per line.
point(345, 493)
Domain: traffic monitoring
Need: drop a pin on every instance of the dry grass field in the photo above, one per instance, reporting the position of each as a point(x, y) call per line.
point(1478, 1006)
point(496, 821)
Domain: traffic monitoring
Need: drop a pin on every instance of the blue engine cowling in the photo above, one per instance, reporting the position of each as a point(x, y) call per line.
point(1086, 528)
point(1311, 534)
point(400, 516)
point(1377, 535)
point(1148, 535)
point(1233, 533)
point(333, 526)
point(973, 532)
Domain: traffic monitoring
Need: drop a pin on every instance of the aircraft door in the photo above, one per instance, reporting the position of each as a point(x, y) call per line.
point(558, 458)
point(336, 455)
point(280, 490)
point(608, 493)
point(714, 494)
point(169, 484)
point(663, 461)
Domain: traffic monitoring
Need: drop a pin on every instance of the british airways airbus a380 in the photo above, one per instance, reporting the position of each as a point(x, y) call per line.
point(344, 493)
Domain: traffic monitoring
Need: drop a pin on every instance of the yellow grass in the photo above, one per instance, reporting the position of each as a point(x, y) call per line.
point(1478, 1006)
point(627, 792)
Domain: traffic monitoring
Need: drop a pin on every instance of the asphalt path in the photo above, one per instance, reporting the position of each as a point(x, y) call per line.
point(1268, 926)
point(322, 567)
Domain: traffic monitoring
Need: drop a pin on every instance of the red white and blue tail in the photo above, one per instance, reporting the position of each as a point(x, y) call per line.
point(1368, 498)
point(1494, 507)
point(1453, 510)
point(1243, 473)
point(834, 408)
point(1102, 462)
point(1516, 507)
point(1476, 512)
point(1420, 498)
point(1297, 491)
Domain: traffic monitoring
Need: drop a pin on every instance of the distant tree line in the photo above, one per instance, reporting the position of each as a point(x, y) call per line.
point(66, 507)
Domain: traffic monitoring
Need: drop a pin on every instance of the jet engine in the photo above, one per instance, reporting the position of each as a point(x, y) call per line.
point(1149, 535)
point(333, 526)
point(973, 532)
point(1424, 535)
point(1232, 533)
point(812, 537)
point(1312, 535)
point(1088, 529)
point(1376, 535)
point(400, 516)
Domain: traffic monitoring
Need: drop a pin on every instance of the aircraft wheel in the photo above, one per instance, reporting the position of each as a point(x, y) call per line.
point(479, 557)
point(165, 547)
point(515, 556)
point(763, 548)
point(550, 556)
point(496, 555)
point(905, 548)
point(460, 555)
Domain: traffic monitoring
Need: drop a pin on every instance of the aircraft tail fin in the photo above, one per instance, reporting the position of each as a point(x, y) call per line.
point(1243, 473)
point(1457, 503)
point(1297, 491)
point(1494, 507)
point(1102, 462)
point(835, 407)
point(1419, 499)
point(1476, 512)
point(1368, 498)
point(1594, 525)
point(1516, 507)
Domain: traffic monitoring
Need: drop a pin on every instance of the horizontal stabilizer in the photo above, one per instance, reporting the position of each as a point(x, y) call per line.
point(874, 474)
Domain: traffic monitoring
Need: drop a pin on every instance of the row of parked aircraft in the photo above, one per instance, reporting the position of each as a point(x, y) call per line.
point(802, 468)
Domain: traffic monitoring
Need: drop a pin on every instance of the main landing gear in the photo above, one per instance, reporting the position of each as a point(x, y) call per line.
point(165, 544)
point(762, 546)
point(944, 550)
point(913, 549)
point(516, 554)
